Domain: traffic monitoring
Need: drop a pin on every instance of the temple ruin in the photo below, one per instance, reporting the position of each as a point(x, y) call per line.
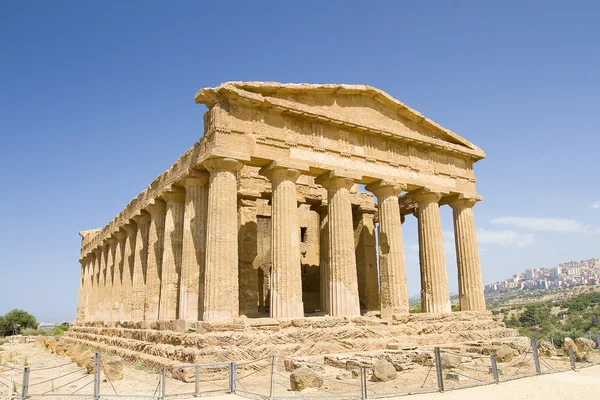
point(262, 224)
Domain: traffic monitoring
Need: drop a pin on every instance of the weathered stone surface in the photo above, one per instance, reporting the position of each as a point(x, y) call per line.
point(584, 344)
point(568, 342)
point(383, 371)
point(304, 378)
point(546, 349)
point(505, 353)
point(184, 373)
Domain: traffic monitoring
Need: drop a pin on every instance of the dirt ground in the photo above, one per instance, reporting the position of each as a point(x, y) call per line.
point(68, 378)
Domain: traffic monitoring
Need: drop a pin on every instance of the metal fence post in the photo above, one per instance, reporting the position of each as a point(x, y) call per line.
point(197, 388)
point(232, 377)
point(438, 368)
point(97, 366)
point(572, 357)
point(495, 369)
point(163, 382)
point(363, 383)
point(272, 374)
point(25, 388)
point(536, 357)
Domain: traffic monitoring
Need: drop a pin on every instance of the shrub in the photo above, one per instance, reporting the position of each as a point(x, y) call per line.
point(15, 321)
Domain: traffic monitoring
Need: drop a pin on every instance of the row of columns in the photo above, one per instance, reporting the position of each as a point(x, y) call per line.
point(176, 260)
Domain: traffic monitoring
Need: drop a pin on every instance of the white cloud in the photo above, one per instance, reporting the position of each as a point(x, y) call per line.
point(545, 224)
point(505, 237)
point(596, 204)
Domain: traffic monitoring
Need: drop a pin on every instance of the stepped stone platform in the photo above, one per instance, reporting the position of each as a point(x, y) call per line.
point(248, 339)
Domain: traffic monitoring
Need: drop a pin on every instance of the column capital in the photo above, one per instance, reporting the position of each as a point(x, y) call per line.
point(174, 195)
point(156, 206)
point(141, 217)
point(223, 164)
point(274, 171)
point(97, 251)
point(130, 228)
point(332, 179)
point(110, 240)
point(197, 178)
point(120, 234)
point(383, 188)
point(427, 195)
point(458, 201)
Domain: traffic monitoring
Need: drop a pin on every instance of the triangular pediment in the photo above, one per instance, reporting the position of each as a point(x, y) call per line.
point(354, 105)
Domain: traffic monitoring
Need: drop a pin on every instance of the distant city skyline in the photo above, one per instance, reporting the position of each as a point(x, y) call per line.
point(567, 274)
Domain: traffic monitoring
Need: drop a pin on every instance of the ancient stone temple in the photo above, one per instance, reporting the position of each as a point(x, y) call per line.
point(269, 221)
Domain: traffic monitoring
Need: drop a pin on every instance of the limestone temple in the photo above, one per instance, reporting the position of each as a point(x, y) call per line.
point(263, 220)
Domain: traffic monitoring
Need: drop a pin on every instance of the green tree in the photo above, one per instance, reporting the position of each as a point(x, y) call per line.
point(16, 320)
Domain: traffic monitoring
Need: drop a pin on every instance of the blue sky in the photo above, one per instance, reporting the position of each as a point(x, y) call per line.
point(96, 100)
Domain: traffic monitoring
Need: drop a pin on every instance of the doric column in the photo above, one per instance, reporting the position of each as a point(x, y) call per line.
point(470, 285)
point(343, 285)
point(103, 286)
point(97, 283)
point(392, 267)
point(156, 238)
point(191, 297)
point(91, 300)
point(434, 280)
point(120, 237)
point(128, 264)
point(286, 279)
point(169, 285)
point(322, 209)
point(221, 296)
point(142, 220)
point(81, 294)
point(366, 258)
point(110, 278)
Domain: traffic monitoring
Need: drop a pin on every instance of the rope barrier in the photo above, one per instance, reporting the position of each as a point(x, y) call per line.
point(62, 386)
point(56, 378)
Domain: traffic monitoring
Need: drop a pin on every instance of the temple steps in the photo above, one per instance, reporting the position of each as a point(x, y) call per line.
point(251, 340)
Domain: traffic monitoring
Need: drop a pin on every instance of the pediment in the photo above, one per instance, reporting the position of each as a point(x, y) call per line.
point(353, 105)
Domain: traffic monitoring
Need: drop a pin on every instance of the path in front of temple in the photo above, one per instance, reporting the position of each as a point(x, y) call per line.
point(570, 385)
point(582, 384)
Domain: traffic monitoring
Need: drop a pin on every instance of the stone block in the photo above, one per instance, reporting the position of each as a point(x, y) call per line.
point(304, 378)
point(383, 371)
point(452, 376)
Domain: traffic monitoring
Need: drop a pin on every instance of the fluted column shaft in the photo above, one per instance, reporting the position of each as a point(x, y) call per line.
point(366, 259)
point(156, 237)
point(434, 280)
point(110, 277)
point(221, 286)
point(470, 284)
point(91, 299)
point(98, 286)
point(169, 286)
point(324, 259)
point(117, 302)
point(140, 266)
point(128, 265)
point(286, 279)
point(191, 292)
point(392, 266)
point(103, 298)
point(343, 283)
point(81, 294)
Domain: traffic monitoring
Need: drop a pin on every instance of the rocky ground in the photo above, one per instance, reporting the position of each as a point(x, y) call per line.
point(63, 368)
